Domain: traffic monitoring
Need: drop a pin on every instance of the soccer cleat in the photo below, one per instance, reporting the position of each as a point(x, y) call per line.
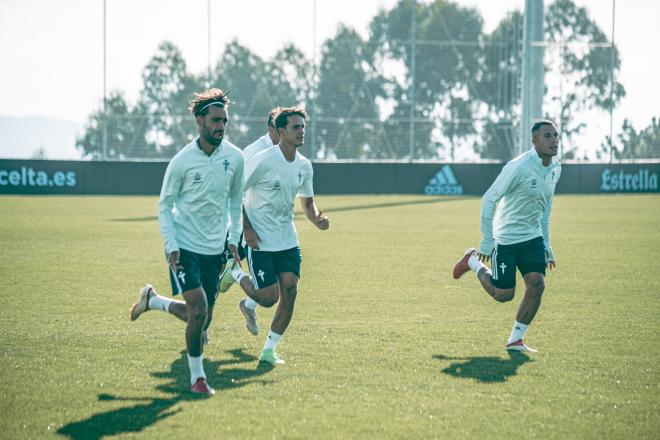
point(201, 387)
point(250, 318)
point(205, 338)
point(226, 280)
point(142, 303)
point(519, 345)
point(269, 356)
point(461, 265)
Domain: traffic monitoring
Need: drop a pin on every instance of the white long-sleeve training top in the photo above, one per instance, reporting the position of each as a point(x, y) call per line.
point(271, 186)
point(199, 196)
point(524, 190)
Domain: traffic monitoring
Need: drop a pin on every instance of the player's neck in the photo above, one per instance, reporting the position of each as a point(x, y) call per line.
point(205, 146)
point(288, 150)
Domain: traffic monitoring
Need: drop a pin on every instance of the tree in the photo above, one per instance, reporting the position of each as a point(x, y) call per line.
point(585, 58)
point(443, 31)
point(167, 89)
point(632, 144)
point(499, 88)
point(114, 133)
point(258, 85)
point(348, 124)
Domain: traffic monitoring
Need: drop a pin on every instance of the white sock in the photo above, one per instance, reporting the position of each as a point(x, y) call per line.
point(157, 302)
point(518, 332)
point(237, 274)
point(475, 264)
point(250, 303)
point(196, 368)
point(272, 340)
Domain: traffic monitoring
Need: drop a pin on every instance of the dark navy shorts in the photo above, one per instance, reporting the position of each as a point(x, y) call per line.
point(528, 256)
point(264, 266)
point(197, 270)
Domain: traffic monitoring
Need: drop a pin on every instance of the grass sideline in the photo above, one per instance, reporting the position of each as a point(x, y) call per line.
point(383, 343)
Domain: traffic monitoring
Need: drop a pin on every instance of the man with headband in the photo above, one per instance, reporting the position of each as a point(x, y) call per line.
point(201, 196)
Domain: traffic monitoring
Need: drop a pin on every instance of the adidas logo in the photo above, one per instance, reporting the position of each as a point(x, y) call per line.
point(443, 183)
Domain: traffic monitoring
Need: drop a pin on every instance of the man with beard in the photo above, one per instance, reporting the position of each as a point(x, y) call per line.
point(201, 195)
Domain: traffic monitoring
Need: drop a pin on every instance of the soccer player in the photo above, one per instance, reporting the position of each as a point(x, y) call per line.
point(273, 179)
point(516, 233)
point(202, 190)
point(264, 142)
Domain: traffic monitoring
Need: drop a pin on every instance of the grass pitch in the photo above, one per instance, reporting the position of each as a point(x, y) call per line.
point(383, 343)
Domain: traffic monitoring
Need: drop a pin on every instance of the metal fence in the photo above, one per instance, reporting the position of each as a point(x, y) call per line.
point(427, 83)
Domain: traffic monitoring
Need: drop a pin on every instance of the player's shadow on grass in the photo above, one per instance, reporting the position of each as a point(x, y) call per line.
point(487, 369)
point(222, 375)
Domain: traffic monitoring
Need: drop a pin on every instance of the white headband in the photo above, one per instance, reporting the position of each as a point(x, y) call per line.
point(220, 103)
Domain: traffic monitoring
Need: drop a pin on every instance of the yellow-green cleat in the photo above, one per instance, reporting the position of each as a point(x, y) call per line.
point(226, 280)
point(271, 357)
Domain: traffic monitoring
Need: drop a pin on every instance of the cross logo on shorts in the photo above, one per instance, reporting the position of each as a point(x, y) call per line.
point(182, 276)
point(261, 274)
point(503, 267)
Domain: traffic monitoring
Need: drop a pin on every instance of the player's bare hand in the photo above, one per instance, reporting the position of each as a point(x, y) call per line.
point(234, 253)
point(173, 259)
point(251, 238)
point(322, 221)
point(551, 265)
point(483, 257)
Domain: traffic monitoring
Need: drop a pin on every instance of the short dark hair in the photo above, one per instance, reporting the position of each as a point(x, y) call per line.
point(199, 106)
point(538, 124)
point(272, 115)
point(282, 117)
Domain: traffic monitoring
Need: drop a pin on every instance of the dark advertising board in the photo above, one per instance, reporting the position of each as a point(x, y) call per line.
point(144, 178)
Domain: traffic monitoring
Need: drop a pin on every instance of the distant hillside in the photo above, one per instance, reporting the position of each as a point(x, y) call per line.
point(21, 137)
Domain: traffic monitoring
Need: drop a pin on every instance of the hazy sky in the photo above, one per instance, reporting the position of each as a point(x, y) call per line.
point(52, 50)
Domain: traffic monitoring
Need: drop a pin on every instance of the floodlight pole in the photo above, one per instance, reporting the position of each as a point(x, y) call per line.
point(612, 84)
point(532, 81)
point(208, 46)
point(105, 97)
point(413, 49)
point(312, 146)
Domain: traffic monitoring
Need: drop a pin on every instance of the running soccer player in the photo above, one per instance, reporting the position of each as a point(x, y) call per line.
point(273, 179)
point(516, 233)
point(266, 141)
point(202, 190)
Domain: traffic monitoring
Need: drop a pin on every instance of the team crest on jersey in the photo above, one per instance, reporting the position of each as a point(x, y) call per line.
point(277, 185)
point(226, 164)
point(534, 182)
point(197, 178)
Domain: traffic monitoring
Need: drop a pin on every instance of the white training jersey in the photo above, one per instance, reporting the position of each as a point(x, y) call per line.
point(200, 194)
point(524, 190)
point(271, 186)
point(261, 144)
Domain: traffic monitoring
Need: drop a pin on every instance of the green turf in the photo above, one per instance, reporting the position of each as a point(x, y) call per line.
point(383, 343)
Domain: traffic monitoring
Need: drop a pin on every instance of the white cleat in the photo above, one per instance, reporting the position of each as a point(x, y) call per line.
point(250, 318)
point(142, 303)
point(519, 345)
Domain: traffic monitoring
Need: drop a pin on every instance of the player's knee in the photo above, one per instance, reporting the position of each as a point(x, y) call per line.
point(198, 314)
point(268, 301)
point(536, 285)
point(269, 296)
point(504, 295)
